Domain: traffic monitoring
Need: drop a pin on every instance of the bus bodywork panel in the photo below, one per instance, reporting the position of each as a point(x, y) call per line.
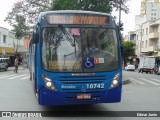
point(48, 97)
point(71, 89)
point(69, 96)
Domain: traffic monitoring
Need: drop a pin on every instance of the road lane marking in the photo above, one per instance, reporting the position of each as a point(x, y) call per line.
point(136, 81)
point(149, 81)
point(8, 76)
point(25, 77)
point(17, 76)
point(156, 80)
point(132, 79)
point(2, 75)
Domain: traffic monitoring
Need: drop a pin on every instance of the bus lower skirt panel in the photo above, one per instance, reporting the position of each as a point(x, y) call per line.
point(51, 98)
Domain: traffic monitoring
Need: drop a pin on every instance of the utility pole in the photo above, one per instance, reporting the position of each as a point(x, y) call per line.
point(140, 40)
point(120, 1)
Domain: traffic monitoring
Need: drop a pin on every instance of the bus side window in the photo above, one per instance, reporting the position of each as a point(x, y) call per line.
point(34, 36)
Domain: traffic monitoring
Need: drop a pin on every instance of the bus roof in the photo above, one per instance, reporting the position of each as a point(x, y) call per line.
point(73, 11)
point(75, 17)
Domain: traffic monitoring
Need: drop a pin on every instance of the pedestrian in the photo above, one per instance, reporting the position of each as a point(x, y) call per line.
point(16, 65)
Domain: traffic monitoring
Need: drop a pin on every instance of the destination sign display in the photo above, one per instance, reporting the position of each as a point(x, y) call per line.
point(78, 19)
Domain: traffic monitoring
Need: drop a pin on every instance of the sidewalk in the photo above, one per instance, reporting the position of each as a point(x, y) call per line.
point(20, 67)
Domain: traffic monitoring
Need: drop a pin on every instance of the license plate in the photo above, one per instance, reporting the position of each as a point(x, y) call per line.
point(83, 96)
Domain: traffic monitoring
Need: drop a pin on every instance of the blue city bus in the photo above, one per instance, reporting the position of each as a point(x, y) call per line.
point(75, 58)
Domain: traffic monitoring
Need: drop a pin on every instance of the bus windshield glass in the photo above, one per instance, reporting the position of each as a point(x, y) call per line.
point(79, 49)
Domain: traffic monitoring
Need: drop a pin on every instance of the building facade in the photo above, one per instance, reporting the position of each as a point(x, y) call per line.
point(6, 42)
point(132, 36)
point(9, 45)
point(26, 42)
point(147, 29)
point(152, 10)
point(148, 39)
point(143, 7)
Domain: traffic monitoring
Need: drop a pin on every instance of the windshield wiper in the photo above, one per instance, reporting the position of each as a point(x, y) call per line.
point(67, 35)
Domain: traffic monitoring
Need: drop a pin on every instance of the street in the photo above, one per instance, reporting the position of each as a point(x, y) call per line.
point(141, 94)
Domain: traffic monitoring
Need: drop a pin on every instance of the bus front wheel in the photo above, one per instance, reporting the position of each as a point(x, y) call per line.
point(35, 90)
point(30, 76)
point(34, 86)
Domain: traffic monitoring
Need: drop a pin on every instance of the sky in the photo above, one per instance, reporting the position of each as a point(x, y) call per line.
point(5, 7)
point(127, 19)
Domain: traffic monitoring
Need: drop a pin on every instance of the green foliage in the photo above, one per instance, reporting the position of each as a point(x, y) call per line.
point(20, 28)
point(89, 5)
point(63, 5)
point(128, 49)
point(29, 9)
point(157, 49)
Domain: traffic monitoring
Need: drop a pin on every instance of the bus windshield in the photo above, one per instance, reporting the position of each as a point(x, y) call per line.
point(79, 49)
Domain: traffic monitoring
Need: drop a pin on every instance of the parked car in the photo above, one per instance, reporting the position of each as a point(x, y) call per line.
point(4, 64)
point(130, 67)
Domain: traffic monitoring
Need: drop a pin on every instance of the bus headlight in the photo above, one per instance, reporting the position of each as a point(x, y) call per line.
point(48, 83)
point(115, 81)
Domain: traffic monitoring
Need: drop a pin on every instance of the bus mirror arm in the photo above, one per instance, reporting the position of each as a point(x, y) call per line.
point(35, 37)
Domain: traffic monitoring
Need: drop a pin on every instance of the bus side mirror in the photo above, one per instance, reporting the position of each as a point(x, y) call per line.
point(34, 37)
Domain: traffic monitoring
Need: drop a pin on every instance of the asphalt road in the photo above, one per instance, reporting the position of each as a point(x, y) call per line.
point(141, 94)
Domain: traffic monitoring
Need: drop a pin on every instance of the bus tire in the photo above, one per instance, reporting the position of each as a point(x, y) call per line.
point(30, 76)
point(34, 86)
point(35, 89)
point(36, 92)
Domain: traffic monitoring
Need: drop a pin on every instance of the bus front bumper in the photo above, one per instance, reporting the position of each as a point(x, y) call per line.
point(51, 98)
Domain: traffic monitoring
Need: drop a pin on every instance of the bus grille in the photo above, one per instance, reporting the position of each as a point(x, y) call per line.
point(81, 81)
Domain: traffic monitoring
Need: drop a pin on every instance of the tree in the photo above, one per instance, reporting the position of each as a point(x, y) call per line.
point(24, 14)
point(116, 4)
point(29, 9)
point(128, 50)
point(20, 29)
point(89, 5)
